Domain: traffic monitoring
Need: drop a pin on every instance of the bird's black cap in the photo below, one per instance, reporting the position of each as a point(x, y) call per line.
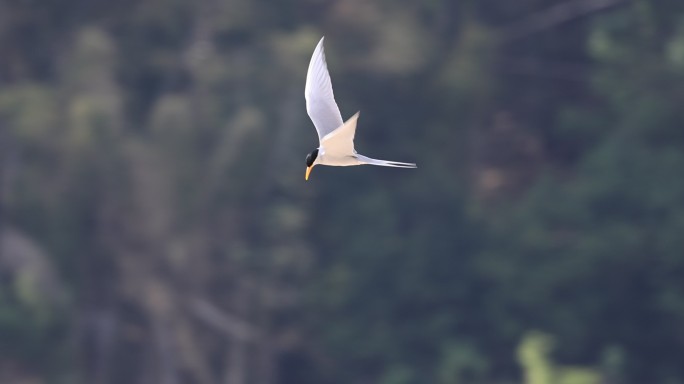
point(311, 157)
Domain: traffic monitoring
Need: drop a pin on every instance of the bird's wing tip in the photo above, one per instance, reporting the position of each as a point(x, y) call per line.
point(319, 46)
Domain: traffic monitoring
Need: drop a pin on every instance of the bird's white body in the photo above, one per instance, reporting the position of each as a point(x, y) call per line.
point(336, 161)
point(335, 137)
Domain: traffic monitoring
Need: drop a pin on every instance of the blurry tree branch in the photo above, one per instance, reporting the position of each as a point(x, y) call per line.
point(554, 16)
point(218, 319)
point(535, 67)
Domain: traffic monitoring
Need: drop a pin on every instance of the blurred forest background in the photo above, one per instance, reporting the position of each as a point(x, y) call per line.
point(155, 225)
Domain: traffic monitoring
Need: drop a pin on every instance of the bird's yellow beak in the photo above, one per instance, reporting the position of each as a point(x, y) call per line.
point(308, 170)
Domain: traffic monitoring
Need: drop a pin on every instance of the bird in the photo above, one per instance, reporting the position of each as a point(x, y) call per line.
point(336, 138)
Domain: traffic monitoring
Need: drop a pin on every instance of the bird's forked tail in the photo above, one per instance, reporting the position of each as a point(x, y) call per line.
point(385, 163)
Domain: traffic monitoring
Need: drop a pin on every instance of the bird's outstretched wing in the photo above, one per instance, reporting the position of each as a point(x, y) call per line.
point(340, 142)
point(320, 101)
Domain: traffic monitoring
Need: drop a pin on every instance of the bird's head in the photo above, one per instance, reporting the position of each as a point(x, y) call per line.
point(310, 162)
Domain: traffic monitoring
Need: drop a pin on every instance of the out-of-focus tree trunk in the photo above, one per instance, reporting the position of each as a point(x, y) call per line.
point(237, 359)
point(3, 171)
point(9, 163)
